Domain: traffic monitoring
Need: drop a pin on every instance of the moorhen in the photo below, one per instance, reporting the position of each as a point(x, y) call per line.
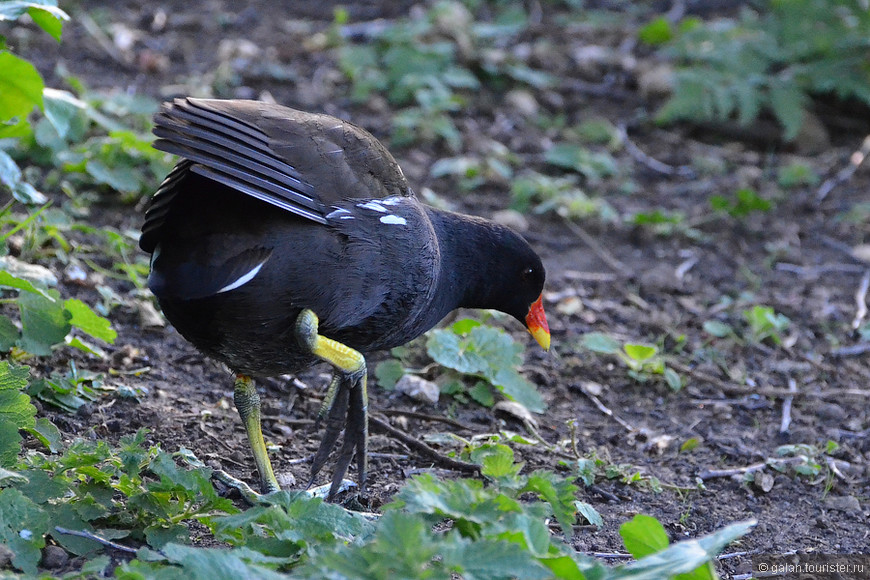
point(282, 238)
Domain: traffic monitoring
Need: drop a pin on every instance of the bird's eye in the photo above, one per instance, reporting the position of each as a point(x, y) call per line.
point(527, 274)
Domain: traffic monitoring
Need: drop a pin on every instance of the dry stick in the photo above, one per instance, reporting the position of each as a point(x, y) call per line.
point(599, 250)
point(861, 300)
point(652, 163)
point(102, 39)
point(855, 161)
point(422, 448)
point(735, 389)
point(603, 408)
point(786, 407)
point(714, 473)
point(96, 538)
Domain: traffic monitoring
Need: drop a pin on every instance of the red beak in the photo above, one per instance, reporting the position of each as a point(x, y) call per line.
point(536, 322)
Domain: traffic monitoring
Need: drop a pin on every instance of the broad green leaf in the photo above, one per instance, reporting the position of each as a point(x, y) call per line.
point(10, 176)
point(388, 373)
point(15, 406)
point(20, 87)
point(643, 535)
point(464, 326)
point(559, 493)
point(121, 178)
point(686, 556)
point(49, 18)
point(450, 350)
point(489, 560)
point(9, 334)
point(22, 528)
point(44, 323)
point(640, 352)
point(48, 434)
point(88, 321)
point(14, 9)
point(481, 392)
point(718, 329)
point(589, 513)
point(517, 388)
point(10, 281)
point(601, 343)
point(61, 108)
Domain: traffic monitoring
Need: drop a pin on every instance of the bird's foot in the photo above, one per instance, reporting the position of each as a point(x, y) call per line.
point(345, 405)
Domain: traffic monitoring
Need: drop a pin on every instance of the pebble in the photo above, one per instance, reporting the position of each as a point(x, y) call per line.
point(418, 388)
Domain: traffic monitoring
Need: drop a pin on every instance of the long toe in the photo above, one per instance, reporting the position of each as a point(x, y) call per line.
point(335, 420)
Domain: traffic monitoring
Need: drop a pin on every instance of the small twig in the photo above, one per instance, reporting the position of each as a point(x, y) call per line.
point(856, 159)
point(425, 417)
point(609, 555)
point(650, 162)
point(785, 422)
point(599, 250)
point(715, 473)
point(96, 538)
point(861, 300)
point(604, 493)
point(422, 448)
point(604, 409)
point(103, 40)
point(816, 271)
point(854, 350)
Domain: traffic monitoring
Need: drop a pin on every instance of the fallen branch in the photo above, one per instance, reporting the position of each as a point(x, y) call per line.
point(422, 448)
point(641, 157)
point(96, 538)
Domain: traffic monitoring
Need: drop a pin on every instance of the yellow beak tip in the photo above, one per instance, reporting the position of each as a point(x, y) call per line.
point(542, 337)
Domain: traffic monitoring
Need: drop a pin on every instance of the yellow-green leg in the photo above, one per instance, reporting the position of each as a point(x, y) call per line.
point(247, 402)
point(345, 405)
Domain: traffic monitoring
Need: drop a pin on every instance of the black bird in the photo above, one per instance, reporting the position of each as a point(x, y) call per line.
point(282, 238)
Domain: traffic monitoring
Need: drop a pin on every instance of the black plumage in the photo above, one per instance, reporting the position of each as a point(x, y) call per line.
point(274, 212)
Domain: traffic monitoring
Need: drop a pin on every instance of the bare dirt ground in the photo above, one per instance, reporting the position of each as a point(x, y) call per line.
point(637, 286)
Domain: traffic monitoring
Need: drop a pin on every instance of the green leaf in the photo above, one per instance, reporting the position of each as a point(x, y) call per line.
point(44, 323)
point(48, 434)
point(657, 31)
point(49, 18)
point(10, 281)
point(10, 176)
point(121, 178)
point(640, 352)
point(9, 334)
point(388, 373)
point(643, 535)
point(20, 87)
point(718, 329)
point(690, 444)
point(577, 158)
point(450, 350)
point(788, 104)
point(489, 560)
point(464, 326)
point(15, 406)
point(23, 526)
point(589, 513)
point(88, 321)
point(600, 343)
point(517, 388)
point(481, 392)
point(686, 556)
point(61, 109)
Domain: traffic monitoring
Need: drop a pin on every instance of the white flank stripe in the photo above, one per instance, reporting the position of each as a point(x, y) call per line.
point(243, 280)
point(391, 200)
point(394, 220)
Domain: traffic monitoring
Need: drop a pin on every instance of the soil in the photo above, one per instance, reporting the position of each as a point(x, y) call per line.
point(631, 283)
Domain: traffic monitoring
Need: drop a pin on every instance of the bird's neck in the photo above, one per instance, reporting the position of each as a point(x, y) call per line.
point(470, 269)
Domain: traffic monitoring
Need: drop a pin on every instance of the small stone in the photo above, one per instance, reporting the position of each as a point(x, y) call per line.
point(848, 504)
point(512, 219)
point(830, 412)
point(54, 557)
point(418, 389)
point(286, 480)
point(523, 102)
point(657, 81)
